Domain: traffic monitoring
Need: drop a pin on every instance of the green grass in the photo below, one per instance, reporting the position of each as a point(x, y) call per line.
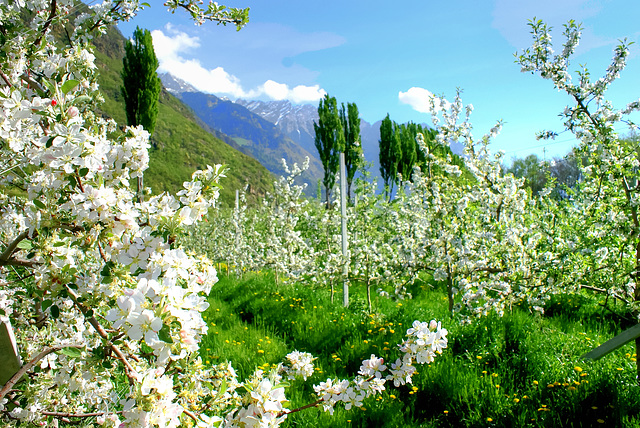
point(241, 141)
point(521, 370)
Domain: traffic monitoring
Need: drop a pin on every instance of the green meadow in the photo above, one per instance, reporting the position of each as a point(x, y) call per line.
point(519, 370)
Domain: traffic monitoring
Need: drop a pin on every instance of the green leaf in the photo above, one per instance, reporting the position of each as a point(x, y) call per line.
point(39, 204)
point(81, 99)
point(68, 86)
point(55, 312)
point(46, 304)
point(71, 352)
point(106, 270)
point(165, 334)
point(107, 364)
point(25, 245)
point(83, 172)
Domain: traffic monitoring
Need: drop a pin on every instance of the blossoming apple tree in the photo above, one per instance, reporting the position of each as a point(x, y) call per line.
point(105, 305)
point(600, 250)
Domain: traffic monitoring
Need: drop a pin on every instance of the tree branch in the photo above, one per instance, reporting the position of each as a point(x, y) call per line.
point(6, 254)
point(604, 291)
point(52, 14)
point(299, 409)
point(24, 369)
point(5, 78)
point(77, 415)
point(130, 371)
point(23, 263)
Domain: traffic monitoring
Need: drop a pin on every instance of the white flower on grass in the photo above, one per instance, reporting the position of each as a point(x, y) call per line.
point(372, 367)
point(301, 365)
point(401, 372)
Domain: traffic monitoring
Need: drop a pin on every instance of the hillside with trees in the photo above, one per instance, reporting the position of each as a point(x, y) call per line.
point(180, 144)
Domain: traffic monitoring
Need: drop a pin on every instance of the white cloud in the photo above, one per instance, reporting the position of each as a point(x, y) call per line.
point(170, 48)
point(275, 91)
point(167, 47)
point(299, 94)
point(420, 100)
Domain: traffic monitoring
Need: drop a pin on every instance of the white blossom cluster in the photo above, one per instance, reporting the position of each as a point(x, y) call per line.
point(300, 365)
point(103, 299)
point(424, 342)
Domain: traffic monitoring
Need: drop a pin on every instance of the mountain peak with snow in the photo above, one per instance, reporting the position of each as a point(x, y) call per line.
point(175, 85)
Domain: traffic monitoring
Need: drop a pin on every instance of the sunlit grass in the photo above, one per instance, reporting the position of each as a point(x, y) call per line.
point(518, 370)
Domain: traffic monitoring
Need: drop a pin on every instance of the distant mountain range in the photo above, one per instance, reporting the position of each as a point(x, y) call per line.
point(271, 130)
point(296, 122)
point(249, 132)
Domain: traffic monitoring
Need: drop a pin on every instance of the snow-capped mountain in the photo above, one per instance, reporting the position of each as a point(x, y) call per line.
point(247, 132)
point(175, 85)
point(294, 121)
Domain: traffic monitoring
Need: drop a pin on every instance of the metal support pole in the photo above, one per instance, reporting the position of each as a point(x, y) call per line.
point(343, 213)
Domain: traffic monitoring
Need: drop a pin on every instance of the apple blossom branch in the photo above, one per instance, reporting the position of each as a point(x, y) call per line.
point(130, 371)
point(24, 369)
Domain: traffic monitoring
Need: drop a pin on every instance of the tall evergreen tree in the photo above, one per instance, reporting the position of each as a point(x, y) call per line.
point(329, 142)
point(408, 160)
point(353, 156)
point(390, 154)
point(141, 84)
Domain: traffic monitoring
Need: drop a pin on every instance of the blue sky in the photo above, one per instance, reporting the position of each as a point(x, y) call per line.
point(374, 52)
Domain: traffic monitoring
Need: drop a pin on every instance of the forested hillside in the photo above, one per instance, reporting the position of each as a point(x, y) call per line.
point(180, 145)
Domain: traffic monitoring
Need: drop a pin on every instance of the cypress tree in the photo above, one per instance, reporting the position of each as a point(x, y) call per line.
point(353, 156)
point(408, 133)
point(141, 84)
point(329, 141)
point(390, 154)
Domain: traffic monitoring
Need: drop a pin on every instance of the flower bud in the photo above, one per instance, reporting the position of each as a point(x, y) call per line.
point(73, 111)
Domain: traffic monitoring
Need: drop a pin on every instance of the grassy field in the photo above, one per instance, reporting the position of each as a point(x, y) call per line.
point(521, 370)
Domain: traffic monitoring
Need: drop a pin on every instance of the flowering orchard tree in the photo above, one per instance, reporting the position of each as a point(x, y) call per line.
point(280, 245)
point(373, 251)
point(105, 305)
point(472, 231)
point(601, 248)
